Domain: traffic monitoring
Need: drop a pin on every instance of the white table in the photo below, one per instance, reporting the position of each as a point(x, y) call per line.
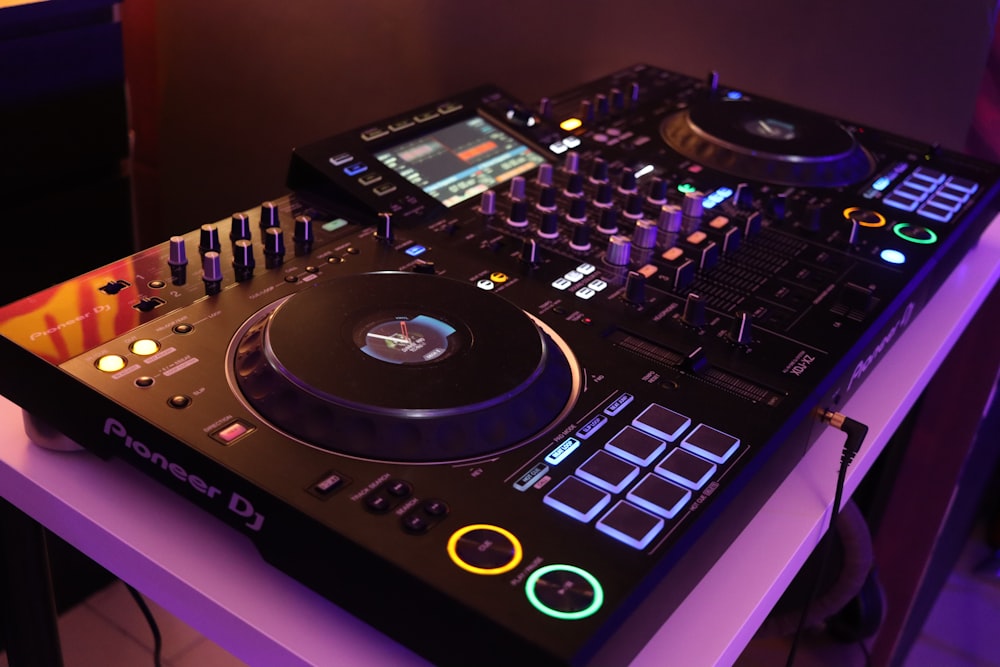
point(212, 577)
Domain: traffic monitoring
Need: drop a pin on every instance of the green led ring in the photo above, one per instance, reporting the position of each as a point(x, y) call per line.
point(595, 604)
point(933, 237)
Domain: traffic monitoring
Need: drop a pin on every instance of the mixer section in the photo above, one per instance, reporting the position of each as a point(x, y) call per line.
point(507, 369)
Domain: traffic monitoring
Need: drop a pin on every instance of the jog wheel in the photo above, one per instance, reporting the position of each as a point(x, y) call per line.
point(403, 367)
point(769, 142)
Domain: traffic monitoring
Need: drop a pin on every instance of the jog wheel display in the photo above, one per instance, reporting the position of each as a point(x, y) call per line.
point(403, 367)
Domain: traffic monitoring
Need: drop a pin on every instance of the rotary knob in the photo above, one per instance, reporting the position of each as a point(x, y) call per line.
point(209, 239)
point(741, 329)
point(518, 216)
point(240, 227)
point(303, 234)
point(644, 235)
point(274, 247)
point(243, 259)
point(177, 260)
point(211, 272)
point(619, 250)
point(607, 222)
point(694, 311)
point(548, 228)
point(269, 215)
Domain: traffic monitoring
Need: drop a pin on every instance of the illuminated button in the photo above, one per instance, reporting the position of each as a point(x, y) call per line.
point(558, 147)
point(607, 472)
point(574, 276)
point(369, 178)
point(659, 496)
point(334, 225)
point(383, 189)
point(661, 422)
point(686, 188)
point(499, 277)
point(110, 363)
point(564, 591)
point(915, 191)
point(571, 124)
point(485, 284)
point(961, 184)
point(525, 481)
point(915, 233)
point(329, 483)
point(341, 159)
point(636, 446)
point(585, 293)
point(926, 174)
point(686, 469)
point(144, 347)
point(631, 525)
point(355, 169)
point(892, 256)
point(711, 444)
point(572, 142)
point(597, 285)
point(415, 250)
point(586, 269)
point(561, 283)
point(577, 499)
point(484, 549)
point(562, 451)
point(231, 432)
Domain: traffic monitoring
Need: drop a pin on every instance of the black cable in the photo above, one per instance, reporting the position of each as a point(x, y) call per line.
point(856, 432)
point(154, 628)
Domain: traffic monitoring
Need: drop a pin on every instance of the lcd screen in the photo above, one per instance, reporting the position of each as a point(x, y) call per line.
point(460, 161)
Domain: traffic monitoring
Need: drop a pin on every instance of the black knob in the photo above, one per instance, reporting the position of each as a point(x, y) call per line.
point(209, 239)
point(777, 207)
point(303, 234)
point(243, 259)
point(577, 211)
point(599, 171)
point(657, 192)
point(617, 99)
point(743, 197)
point(580, 239)
point(240, 228)
point(633, 206)
point(574, 186)
point(546, 199)
point(601, 104)
point(812, 217)
point(518, 213)
point(607, 222)
point(605, 195)
point(627, 181)
point(269, 215)
point(274, 247)
point(548, 228)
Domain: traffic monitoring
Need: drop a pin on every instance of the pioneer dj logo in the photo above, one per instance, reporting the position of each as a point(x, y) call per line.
point(235, 503)
point(862, 368)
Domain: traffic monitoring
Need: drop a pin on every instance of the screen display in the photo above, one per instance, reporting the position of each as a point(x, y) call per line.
point(460, 161)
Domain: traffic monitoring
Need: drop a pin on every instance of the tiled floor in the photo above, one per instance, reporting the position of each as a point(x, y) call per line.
point(963, 630)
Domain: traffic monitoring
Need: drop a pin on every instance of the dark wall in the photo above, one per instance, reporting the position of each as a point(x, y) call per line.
point(246, 80)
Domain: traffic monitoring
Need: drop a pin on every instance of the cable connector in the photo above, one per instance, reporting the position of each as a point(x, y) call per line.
point(855, 430)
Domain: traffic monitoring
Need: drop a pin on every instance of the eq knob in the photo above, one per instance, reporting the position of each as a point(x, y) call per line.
point(269, 215)
point(657, 192)
point(607, 222)
point(627, 182)
point(605, 196)
point(517, 188)
point(243, 259)
point(546, 199)
point(303, 234)
point(211, 272)
point(239, 227)
point(488, 203)
point(599, 171)
point(177, 260)
point(274, 247)
point(548, 228)
point(209, 239)
point(518, 216)
point(619, 250)
point(544, 175)
point(580, 238)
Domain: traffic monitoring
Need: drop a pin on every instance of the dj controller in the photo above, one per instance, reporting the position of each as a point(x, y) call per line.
point(504, 379)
